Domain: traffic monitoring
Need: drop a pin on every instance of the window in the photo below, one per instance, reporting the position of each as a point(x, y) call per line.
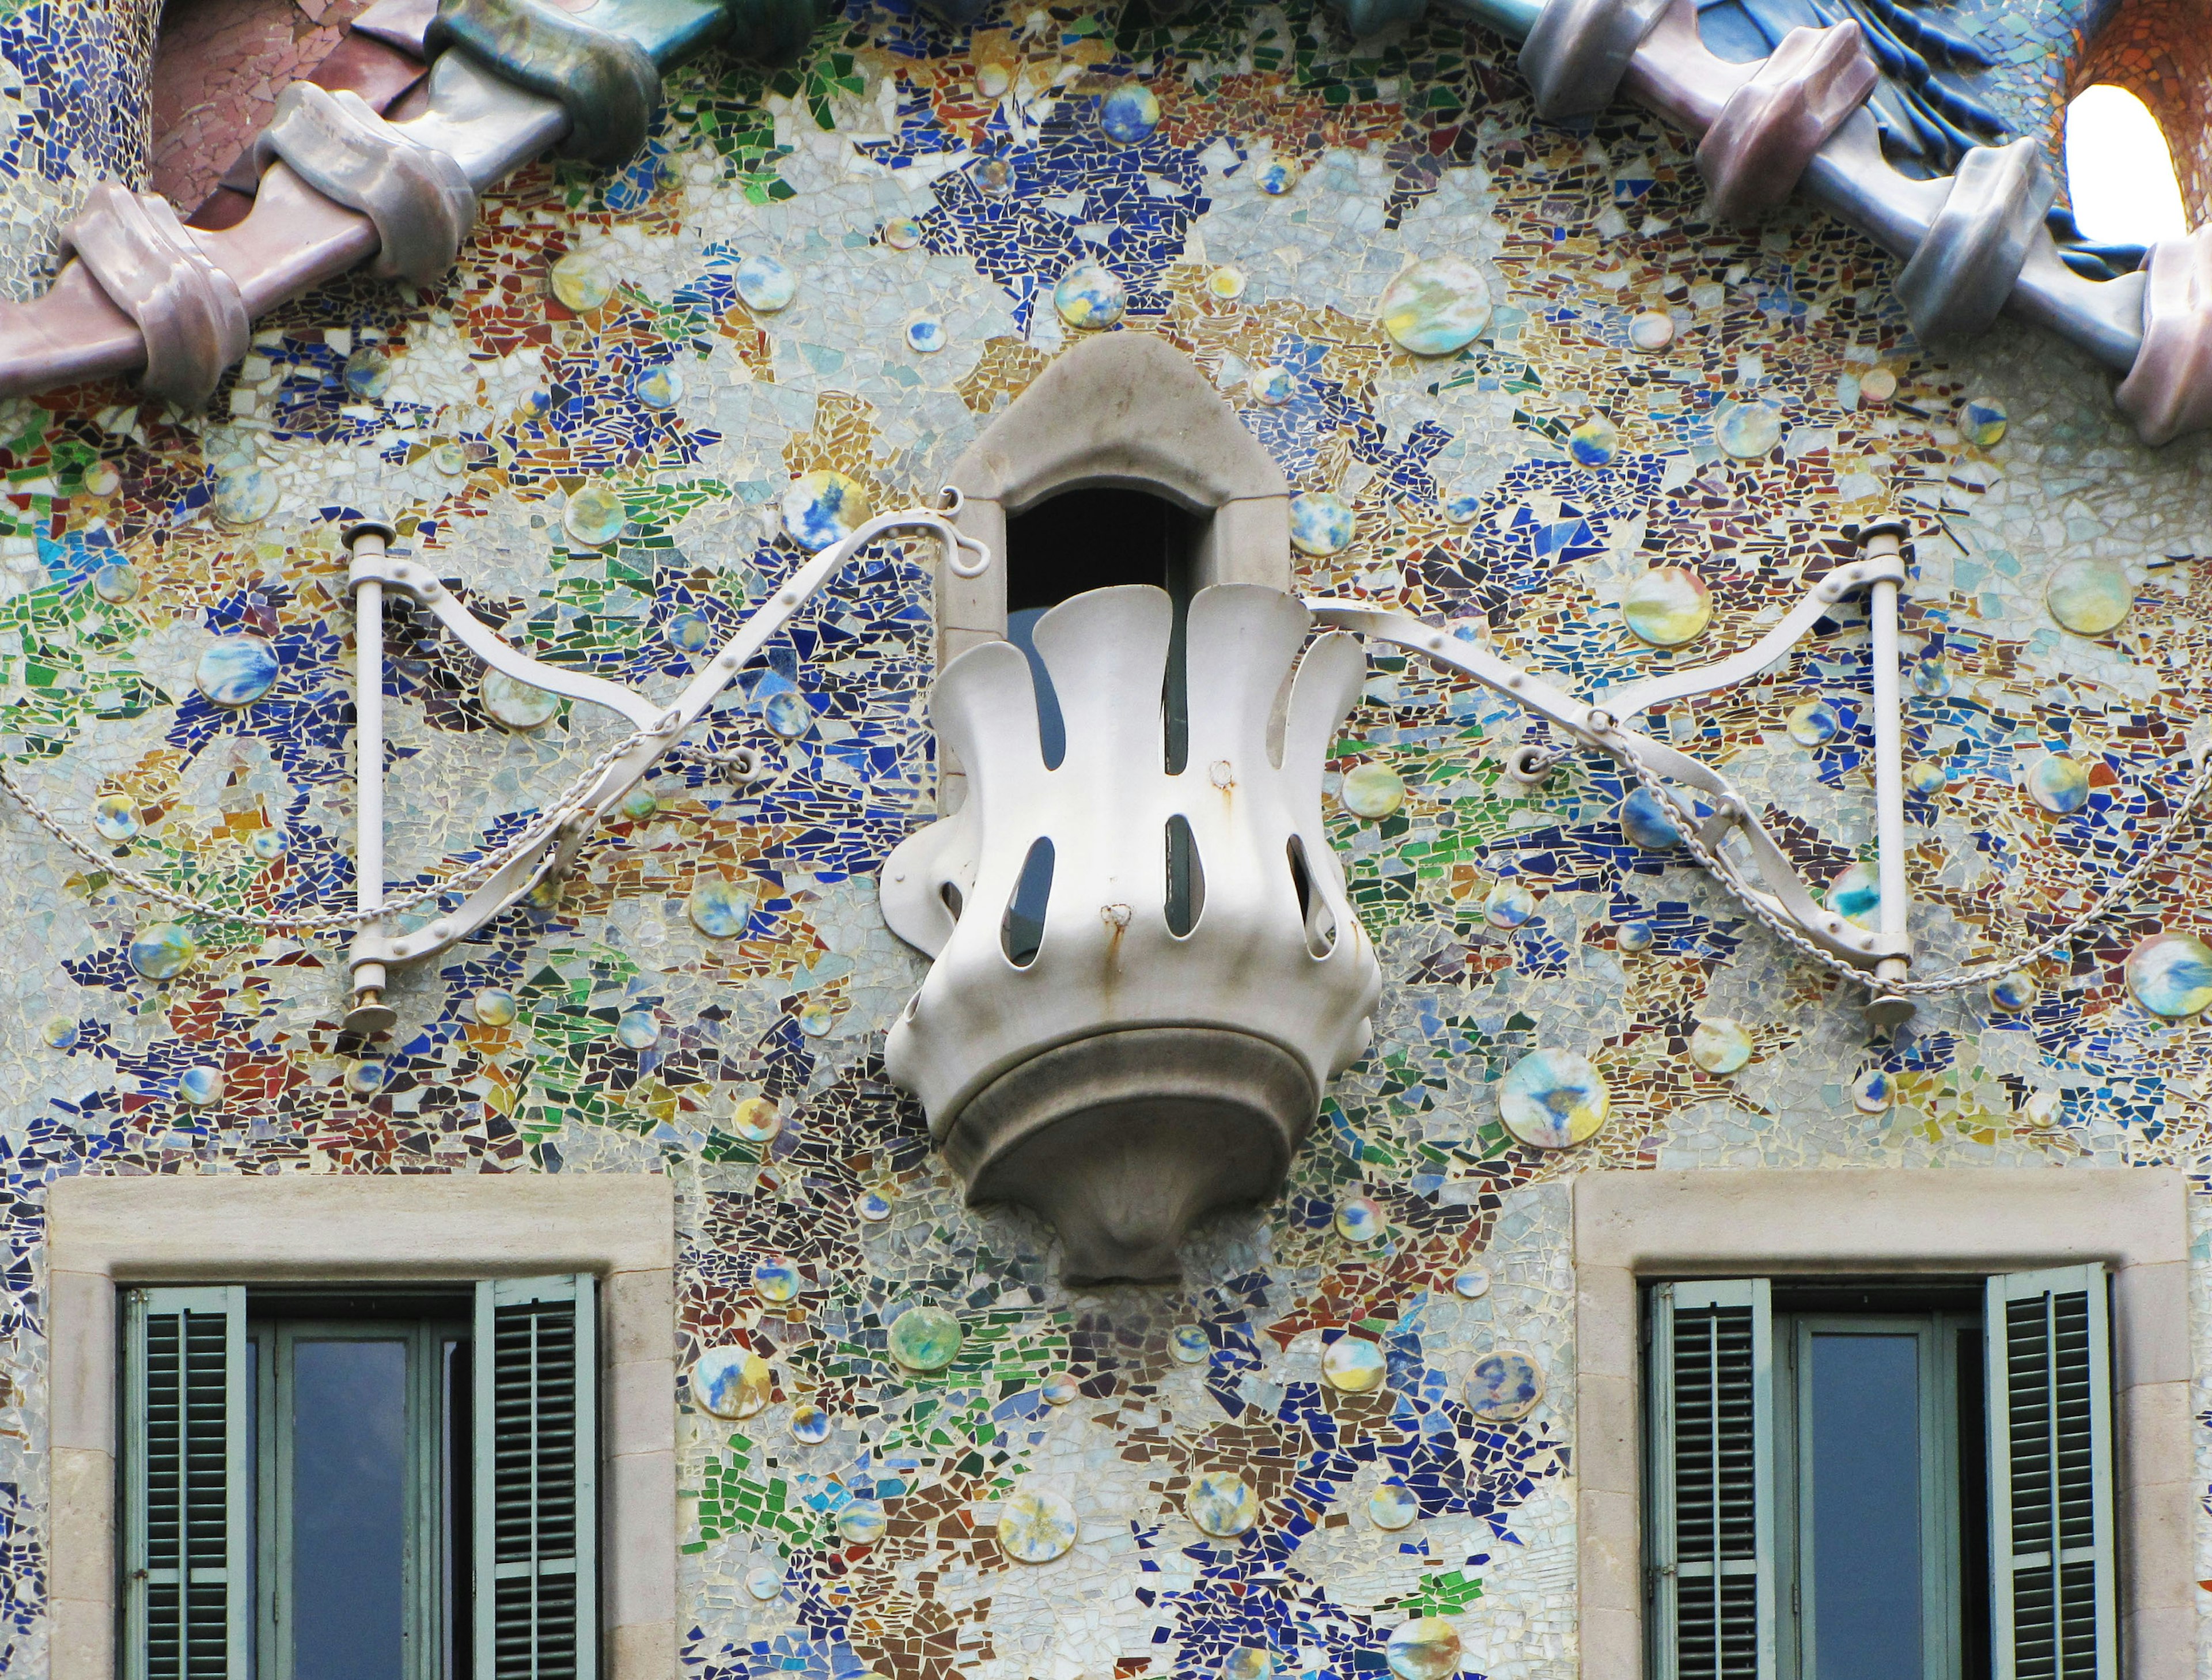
point(357, 1484)
point(2120, 173)
point(1862, 1481)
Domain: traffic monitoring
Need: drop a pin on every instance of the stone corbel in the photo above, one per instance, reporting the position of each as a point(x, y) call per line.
point(1964, 268)
point(188, 312)
point(1757, 149)
point(606, 83)
point(2169, 391)
point(420, 200)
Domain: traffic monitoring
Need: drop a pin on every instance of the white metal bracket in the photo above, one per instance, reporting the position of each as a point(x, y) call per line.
point(656, 725)
point(1885, 952)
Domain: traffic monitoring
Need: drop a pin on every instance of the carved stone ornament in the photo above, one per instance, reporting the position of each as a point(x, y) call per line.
point(1579, 49)
point(418, 197)
point(1959, 276)
point(604, 81)
point(1118, 1076)
point(1758, 146)
point(188, 311)
point(2170, 390)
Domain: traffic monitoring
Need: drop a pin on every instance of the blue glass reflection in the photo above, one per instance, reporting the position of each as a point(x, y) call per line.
point(1865, 1487)
point(348, 1528)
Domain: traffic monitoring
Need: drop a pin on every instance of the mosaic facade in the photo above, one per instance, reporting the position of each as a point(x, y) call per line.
point(1651, 390)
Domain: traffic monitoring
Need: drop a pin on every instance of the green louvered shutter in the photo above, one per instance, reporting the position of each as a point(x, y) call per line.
point(187, 1590)
point(2051, 1476)
point(536, 1487)
point(1711, 1542)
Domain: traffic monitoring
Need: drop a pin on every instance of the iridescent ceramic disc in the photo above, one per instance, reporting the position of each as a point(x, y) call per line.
point(268, 844)
point(787, 715)
point(2059, 783)
point(1059, 1390)
point(1668, 606)
point(1226, 282)
point(872, 1205)
point(776, 1280)
point(1425, 1648)
point(718, 908)
point(810, 1425)
point(924, 1339)
point(368, 374)
point(823, 506)
point(595, 515)
point(1593, 441)
point(101, 478)
point(659, 386)
point(1270, 385)
point(1360, 1219)
point(1877, 385)
point(1036, 1525)
point(638, 804)
point(162, 951)
point(1554, 1098)
point(1221, 1504)
point(1371, 790)
point(756, 1119)
point(1392, 1505)
point(1653, 330)
point(1504, 1386)
point(1926, 777)
point(926, 335)
point(2170, 975)
point(764, 284)
point(1874, 1093)
point(1353, 1365)
point(514, 704)
point(1321, 523)
point(2011, 993)
point(1248, 1662)
point(580, 281)
point(1189, 1344)
point(366, 1078)
point(116, 583)
point(1981, 422)
point(1089, 295)
point(1130, 113)
point(2089, 597)
point(1644, 822)
point(1278, 176)
point(1633, 937)
point(861, 1523)
point(1509, 903)
point(1813, 723)
point(764, 1581)
point(1747, 430)
point(494, 1007)
point(1856, 895)
point(731, 1383)
point(902, 233)
point(1931, 676)
point(1720, 1046)
point(115, 817)
point(816, 1019)
point(61, 1033)
point(236, 670)
point(638, 1029)
point(200, 1086)
point(1471, 1285)
point(1436, 306)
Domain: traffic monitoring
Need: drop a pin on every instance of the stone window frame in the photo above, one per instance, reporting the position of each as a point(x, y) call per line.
point(1123, 409)
point(1631, 1227)
point(103, 1233)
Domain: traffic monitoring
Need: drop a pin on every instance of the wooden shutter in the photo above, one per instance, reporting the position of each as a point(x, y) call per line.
point(2051, 1476)
point(1711, 1544)
point(187, 1588)
point(536, 1488)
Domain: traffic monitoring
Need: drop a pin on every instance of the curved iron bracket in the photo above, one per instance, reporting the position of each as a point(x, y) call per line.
point(1769, 877)
point(657, 725)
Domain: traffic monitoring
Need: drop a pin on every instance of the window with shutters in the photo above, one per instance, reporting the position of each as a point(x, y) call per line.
point(351, 1484)
point(1856, 1480)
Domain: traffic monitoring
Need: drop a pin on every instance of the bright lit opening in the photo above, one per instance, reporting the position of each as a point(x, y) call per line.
point(2118, 171)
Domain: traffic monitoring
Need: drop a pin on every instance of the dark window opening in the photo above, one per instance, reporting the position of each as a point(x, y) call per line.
point(1021, 930)
point(1086, 540)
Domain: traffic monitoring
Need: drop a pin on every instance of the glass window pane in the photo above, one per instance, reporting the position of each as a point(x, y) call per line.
point(348, 1518)
point(1865, 1489)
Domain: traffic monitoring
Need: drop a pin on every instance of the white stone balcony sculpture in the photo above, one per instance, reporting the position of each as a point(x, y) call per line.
point(1145, 978)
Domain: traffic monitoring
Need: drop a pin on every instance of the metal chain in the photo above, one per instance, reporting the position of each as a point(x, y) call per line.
point(538, 831)
point(2117, 892)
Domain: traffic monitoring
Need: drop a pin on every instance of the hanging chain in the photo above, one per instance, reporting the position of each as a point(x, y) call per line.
point(539, 831)
point(2115, 895)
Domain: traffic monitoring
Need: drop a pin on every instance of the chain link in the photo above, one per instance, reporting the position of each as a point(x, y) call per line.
point(539, 831)
point(2115, 894)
